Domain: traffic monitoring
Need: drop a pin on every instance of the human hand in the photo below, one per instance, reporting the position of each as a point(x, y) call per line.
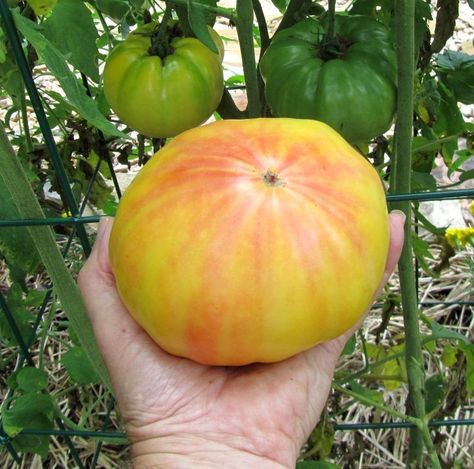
point(181, 414)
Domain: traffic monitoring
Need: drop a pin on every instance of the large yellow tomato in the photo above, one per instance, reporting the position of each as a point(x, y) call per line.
point(250, 241)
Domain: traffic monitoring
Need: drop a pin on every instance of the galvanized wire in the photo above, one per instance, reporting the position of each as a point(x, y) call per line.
point(78, 221)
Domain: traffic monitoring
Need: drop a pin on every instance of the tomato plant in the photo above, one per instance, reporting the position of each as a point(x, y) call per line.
point(161, 93)
point(250, 240)
point(434, 133)
point(347, 81)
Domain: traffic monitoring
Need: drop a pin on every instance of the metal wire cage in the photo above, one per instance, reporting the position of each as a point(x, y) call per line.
point(78, 236)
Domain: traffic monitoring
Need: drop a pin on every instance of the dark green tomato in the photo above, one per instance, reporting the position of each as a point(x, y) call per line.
point(348, 83)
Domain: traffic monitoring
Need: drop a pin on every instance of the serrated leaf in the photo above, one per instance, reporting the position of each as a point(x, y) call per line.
point(32, 410)
point(79, 44)
point(198, 24)
point(56, 63)
point(449, 356)
point(79, 367)
point(31, 379)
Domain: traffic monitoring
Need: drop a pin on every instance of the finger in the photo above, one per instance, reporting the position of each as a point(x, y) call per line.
point(396, 222)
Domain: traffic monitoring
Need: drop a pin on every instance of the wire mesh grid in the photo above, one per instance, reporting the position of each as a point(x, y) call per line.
point(78, 234)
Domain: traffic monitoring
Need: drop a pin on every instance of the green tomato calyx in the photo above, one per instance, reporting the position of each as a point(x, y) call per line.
point(333, 48)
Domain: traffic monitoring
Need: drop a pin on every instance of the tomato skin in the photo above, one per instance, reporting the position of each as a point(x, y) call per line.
point(163, 97)
point(250, 240)
point(355, 93)
point(42, 7)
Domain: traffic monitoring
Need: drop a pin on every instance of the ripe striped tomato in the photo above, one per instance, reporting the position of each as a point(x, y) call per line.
point(250, 241)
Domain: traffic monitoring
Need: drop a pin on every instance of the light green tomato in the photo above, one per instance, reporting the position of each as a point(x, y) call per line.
point(162, 97)
point(42, 7)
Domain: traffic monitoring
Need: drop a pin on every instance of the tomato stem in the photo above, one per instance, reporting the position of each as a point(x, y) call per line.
point(331, 19)
point(272, 179)
point(160, 45)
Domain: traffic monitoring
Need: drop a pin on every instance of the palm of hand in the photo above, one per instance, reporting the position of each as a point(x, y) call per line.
point(258, 408)
point(266, 410)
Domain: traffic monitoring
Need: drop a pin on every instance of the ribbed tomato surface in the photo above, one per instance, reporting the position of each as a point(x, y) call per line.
point(250, 241)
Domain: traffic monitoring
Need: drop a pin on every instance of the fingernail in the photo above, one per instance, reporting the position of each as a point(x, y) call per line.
point(399, 214)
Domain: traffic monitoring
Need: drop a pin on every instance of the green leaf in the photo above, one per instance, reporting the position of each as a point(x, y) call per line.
point(422, 181)
point(31, 379)
point(449, 120)
point(79, 44)
point(21, 316)
point(466, 175)
point(34, 298)
point(32, 410)
point(32, 444)
point(56, 63)
point(110, 207)
point(370, 394)
point(79, 367)
point(350, 346)
point(434, 392)
point(441, 332)
point(116, 9)
point(468, 350)
point(421, 248)
point(198, 24)
point(449, 357)
point(281, 5)
point(321, 439)
point(16, 243)
point(316, 465)
point(137, 3)
point(235, 80)
point(456, 70)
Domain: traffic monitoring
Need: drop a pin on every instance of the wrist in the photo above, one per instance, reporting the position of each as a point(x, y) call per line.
point(185, 451)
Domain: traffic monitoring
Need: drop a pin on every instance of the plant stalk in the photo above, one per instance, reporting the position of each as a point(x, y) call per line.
point(245, 35)
point(401, 183)
point(159, 42)
point(331, 19)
